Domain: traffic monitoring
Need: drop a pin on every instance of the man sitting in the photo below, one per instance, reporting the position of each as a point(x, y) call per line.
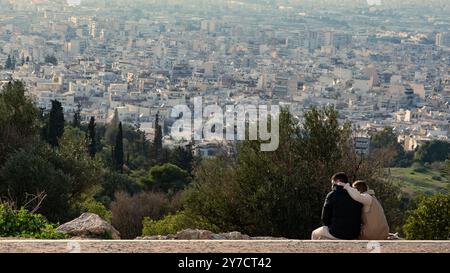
point(341, 215)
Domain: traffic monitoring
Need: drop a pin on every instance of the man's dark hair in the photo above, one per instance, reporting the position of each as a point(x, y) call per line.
point(340, 177)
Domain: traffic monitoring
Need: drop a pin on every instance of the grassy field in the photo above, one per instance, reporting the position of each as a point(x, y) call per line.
point(420, 180)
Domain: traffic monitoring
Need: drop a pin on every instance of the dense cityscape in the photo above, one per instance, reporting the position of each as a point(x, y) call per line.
point(380, 65)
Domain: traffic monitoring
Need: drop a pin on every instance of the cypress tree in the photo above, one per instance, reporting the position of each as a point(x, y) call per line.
point(158, 139)
point(118, 157)
point(55, 123)
point(13, 63)
point(115, 120)
point(51, 59)
point(188, 158)
point(77, 117)
point(8, 64)
point(92, 147)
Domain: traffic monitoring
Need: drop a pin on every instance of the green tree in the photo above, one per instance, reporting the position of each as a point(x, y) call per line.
point(13, 63)
point(167, 178)
point(8, 64)
point(275, 193)
point(173, 223)
point(385, 143)
point(74, 159)
point(215, 195)
point(93, 206)
point(92, 146)
point(55, 127)
point(136, 147)
point(284, 189)
point(77, 117)
point(22, 223)
point(430, 220)
point(118, 156)
point(431, 151)
point(30, 172)
point(114, 182)
point(447, 170)
point(183, 157)
point(157, 142)
point(19, 122)
point(51, 59)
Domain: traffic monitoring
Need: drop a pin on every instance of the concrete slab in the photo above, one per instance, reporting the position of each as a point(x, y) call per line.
point(213, 246)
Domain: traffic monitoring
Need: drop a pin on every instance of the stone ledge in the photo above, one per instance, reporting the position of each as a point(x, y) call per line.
point(218, 246)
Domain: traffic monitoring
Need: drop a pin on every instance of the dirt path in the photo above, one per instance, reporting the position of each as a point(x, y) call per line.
point(179, 246)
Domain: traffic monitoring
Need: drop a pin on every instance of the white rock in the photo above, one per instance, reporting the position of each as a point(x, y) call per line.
point(89, 225)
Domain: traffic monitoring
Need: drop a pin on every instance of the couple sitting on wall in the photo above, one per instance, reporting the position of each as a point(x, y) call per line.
point(351, 212)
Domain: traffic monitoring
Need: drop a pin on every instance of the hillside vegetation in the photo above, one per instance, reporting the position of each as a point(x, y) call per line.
point(421, 180)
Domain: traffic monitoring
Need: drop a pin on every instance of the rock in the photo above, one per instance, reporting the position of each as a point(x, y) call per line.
point(194, 234)
point(198, 234)
point(235, 235)
point(170, 237)
point(218, 237)
point(90, 225)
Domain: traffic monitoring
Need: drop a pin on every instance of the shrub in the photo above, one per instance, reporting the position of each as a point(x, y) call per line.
point(215, 195)
point(436, 177)
point(65, 176)
point(93, 206)
point(167, 178)
point(30, 171)
point(22, 223)
point(435, 150)
point(18, 119)
point(128, 212)
point(116, 182)
point(173, 223)
point(430, 220)
point(437, 166)
point(385, 141)
point(421, 170)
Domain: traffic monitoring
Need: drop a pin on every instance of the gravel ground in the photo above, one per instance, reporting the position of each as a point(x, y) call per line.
point(212, 246)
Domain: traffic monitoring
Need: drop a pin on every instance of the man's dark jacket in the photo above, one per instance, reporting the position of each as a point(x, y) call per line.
point(342, 214)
